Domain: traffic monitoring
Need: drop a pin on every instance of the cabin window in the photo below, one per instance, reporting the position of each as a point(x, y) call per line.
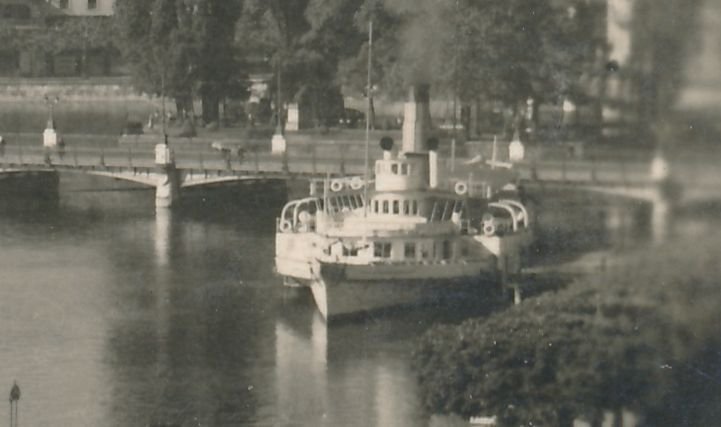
point(406, 207)
point(352, 251)
point(425, 253)
point(394, 168)
point(409, 250)
point(447, 250)
point(385, 206)
point(381, 250)
point(396, 207)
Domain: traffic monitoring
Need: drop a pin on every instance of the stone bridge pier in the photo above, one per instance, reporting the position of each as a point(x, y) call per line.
point(167, 187)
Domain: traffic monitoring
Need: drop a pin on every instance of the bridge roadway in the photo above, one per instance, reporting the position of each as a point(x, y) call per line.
point(192, 167)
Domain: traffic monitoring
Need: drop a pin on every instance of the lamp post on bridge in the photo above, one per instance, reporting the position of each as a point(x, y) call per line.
point(50, 135)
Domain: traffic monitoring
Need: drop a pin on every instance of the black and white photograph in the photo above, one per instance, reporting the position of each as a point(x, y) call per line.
point(372, 213)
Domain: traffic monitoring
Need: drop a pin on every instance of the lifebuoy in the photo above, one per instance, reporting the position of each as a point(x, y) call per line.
point(285, 226)
point(304, 217)
point(489, 229)
point(356, 183)
point(336, 185)
point(461, 188)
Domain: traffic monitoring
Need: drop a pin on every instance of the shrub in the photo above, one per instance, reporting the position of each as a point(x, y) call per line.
point(642, 337)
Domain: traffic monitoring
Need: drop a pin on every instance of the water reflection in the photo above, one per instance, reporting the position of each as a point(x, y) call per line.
point(355, 373)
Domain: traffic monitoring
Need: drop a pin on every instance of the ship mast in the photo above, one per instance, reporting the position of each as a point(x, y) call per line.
point(366, 169)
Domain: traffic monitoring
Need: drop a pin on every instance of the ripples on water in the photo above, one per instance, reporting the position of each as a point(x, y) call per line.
point(112, 315)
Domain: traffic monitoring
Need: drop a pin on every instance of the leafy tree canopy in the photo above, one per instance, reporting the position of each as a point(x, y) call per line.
point(180, 47)
point(641, 338)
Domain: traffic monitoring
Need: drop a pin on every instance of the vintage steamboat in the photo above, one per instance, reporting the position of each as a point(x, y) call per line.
point(404, 237)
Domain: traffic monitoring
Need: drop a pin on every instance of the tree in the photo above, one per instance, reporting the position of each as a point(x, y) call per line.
point(663, 32)
point(491, 50)
point(180, 48)
point(304, 40)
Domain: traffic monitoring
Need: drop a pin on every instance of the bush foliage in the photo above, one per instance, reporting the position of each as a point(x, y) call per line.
point(642, 338)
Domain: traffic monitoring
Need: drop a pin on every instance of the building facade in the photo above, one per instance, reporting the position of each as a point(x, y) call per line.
point(84, 7)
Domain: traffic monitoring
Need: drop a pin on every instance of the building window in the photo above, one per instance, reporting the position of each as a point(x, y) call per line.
point(63, 4)
point(414, 208)
point(92, 4)
point(381, 250)
point(396, 207)
point(404, 169)
point(375, 206)
point(406, 207)
point(385, 206)
point(409, 250)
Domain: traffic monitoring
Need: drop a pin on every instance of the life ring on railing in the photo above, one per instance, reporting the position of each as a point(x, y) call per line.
point(336, 185)
point(356, 183)
point(489, 229)
point(461, 188)
point(285, 226)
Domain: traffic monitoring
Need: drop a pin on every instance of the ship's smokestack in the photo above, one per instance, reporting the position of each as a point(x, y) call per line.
point(417, 119)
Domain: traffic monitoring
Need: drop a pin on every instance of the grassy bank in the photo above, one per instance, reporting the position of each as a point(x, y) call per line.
point(642, 338)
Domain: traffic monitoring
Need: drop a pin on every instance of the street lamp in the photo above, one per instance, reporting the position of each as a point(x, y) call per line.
point(51, 101)
point(50, 135)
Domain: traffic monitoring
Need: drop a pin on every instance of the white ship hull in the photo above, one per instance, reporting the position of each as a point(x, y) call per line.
point(346, 289)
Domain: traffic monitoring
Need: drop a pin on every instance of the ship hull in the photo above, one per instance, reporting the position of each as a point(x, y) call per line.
point(339, 292)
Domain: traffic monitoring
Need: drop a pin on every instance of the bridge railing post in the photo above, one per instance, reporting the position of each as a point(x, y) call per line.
point(130, 156)
point(285, 161)
point(313, 158)
point(102, 156)
point(255, 160)
point(200, 160)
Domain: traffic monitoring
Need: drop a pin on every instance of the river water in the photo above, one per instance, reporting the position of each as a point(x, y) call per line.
point(113, 315)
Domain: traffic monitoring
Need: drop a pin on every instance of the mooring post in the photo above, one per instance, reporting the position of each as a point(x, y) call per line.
point(167, 187)
point(14, 400)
